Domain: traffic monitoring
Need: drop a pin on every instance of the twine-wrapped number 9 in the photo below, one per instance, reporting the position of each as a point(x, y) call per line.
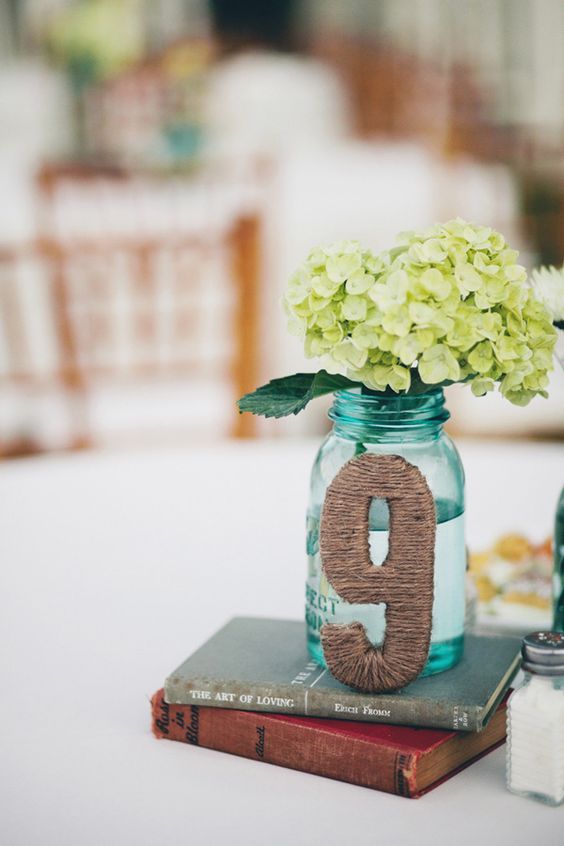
point(404, 581)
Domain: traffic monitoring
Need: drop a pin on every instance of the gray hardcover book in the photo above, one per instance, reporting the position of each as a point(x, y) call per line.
point(255, 664)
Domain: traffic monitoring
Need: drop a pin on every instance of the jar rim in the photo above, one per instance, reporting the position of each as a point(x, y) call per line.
point(380, 412)
point(351, 399)
point(362, 391)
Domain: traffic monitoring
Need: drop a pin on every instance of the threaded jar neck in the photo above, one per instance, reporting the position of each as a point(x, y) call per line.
point(364, 415)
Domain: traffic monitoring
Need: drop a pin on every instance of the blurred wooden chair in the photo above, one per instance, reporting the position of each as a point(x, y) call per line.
point(147, 311)
point(78, 317)
point(155, 276)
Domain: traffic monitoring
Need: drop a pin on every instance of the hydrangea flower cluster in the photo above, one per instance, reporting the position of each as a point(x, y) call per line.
point(449, 304)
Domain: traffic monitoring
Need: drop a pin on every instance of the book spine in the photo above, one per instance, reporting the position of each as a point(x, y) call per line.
point(269, 739)
point(300, 700)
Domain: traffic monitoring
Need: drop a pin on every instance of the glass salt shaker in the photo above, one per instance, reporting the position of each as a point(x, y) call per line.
point(535, 722)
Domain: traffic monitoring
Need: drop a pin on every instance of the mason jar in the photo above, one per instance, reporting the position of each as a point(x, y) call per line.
point(412, 427)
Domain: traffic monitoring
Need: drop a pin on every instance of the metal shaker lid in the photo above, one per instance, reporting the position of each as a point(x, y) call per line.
point(543, 653)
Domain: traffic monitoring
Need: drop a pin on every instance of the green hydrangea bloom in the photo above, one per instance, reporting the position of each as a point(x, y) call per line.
point(447, 304)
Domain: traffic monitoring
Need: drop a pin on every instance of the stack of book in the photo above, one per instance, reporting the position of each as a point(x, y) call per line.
point(252, 690)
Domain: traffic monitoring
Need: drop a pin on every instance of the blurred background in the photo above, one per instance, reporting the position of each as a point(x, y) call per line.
point(165, 164)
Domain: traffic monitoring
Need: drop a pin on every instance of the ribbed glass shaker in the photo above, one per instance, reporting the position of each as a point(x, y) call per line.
point(535, 722)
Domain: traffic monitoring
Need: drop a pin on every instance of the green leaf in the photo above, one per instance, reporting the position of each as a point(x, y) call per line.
point(291, 394)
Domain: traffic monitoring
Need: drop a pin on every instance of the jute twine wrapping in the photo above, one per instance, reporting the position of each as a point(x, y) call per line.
point(404, 581)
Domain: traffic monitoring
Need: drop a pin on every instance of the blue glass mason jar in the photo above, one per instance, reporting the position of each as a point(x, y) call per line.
point(412, 427)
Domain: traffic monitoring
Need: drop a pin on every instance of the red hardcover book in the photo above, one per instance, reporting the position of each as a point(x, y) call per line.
point(396, 759)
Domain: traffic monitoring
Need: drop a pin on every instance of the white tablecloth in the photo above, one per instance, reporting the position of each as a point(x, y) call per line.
point(116, 566)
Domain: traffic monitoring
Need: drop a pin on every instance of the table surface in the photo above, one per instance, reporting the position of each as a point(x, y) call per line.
point(115, 566)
